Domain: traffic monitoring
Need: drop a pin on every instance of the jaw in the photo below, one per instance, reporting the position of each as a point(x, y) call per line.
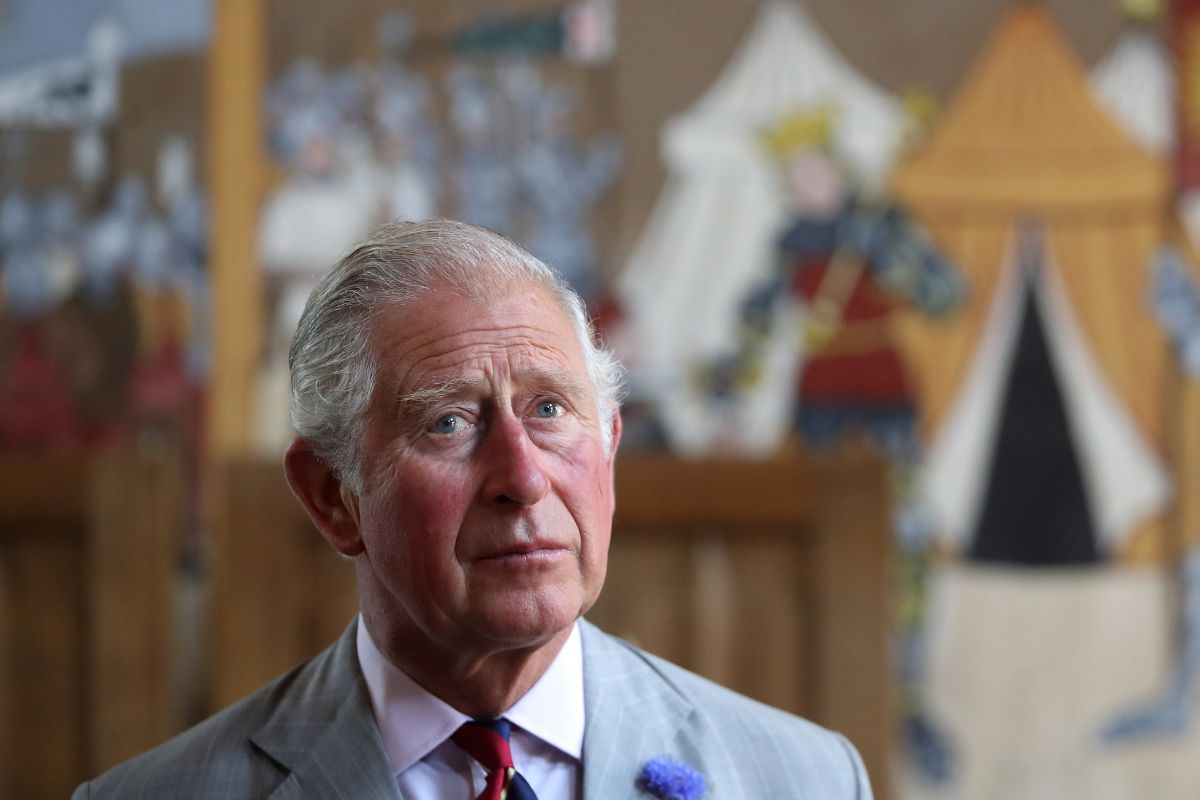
point(487, 668)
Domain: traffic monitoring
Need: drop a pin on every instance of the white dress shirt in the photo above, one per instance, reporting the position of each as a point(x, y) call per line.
point(546, 740)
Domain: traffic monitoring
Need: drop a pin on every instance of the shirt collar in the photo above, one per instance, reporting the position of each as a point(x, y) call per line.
point(552, 710)
point(413, 722)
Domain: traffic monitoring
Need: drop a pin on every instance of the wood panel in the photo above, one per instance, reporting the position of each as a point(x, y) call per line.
point(853, 589)
point(281, 594)
point(769, 577)
point(43, 717)
point(87, 558)
point(131, 547)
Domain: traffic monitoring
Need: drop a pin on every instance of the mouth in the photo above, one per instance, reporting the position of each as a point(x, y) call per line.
point(525, 553)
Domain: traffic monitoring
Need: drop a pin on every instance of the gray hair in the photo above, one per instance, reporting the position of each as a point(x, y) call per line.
point(332, 368)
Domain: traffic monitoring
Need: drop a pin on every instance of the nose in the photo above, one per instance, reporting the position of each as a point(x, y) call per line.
point(513, 468)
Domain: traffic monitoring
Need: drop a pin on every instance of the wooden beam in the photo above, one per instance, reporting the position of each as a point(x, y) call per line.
point(44, 490)
point(659, 489)
point(236, 73)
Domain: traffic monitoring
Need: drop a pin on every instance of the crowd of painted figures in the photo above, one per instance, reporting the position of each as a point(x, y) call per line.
point(494, 144)
point(105, 311)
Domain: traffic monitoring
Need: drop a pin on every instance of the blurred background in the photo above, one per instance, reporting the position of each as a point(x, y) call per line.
point(907, 293)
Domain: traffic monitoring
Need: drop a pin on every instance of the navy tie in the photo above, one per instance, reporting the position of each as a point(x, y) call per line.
point(486, 741)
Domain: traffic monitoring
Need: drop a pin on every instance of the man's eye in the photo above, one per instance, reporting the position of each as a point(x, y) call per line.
point(450, 423)
point(549, 408)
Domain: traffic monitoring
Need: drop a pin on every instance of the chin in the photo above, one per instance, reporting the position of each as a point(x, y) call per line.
point(529, 622)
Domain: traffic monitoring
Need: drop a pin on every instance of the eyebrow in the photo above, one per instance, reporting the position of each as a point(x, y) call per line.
point(539, 380)
point(554, 380)
point(427, 397)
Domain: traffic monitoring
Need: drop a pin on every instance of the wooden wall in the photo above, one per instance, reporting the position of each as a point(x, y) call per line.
point(87, 563)
point(770, 577)
point(280, 593)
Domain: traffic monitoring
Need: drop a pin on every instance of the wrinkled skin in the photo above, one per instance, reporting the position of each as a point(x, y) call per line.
point(481, 532)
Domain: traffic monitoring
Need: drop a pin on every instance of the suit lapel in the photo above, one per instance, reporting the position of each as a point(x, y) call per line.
point(324, 733)
point(633, 714)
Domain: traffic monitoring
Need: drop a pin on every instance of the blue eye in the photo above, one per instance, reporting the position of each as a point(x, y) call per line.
point(549, 408)
point(450, 423)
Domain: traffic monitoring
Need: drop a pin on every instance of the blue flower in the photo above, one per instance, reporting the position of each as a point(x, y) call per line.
point(668, 779)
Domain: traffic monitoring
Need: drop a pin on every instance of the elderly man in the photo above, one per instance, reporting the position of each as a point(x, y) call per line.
point(457, 428)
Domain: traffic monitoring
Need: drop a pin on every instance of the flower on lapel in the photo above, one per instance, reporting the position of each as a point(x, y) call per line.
point(668, 779)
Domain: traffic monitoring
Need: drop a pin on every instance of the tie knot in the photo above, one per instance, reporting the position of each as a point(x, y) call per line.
point(501, 727)
point(486, 740)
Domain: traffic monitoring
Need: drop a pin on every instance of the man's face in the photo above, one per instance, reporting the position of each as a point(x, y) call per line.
point(487, 500)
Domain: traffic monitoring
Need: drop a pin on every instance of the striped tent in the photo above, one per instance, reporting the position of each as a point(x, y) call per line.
point(1024, 146)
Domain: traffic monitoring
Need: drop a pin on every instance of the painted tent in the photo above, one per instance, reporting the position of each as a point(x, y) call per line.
point(713, 232)
point(1025, 151)
point(1050, 209)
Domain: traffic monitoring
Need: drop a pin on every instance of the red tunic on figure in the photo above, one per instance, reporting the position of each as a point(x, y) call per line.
point(859, 366)
point(37, 411)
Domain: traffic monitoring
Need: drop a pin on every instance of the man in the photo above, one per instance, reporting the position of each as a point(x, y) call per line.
point(457, 429)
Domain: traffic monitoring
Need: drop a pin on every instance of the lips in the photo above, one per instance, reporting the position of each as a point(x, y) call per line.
point(523, 549)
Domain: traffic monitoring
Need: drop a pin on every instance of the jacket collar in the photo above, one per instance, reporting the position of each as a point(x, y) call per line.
point(634, 713)
point(325, 733)
point(328, 740)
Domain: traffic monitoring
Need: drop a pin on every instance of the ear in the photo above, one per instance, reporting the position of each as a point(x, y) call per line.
point(616, 438)
point(612, 456)
point(331, 504)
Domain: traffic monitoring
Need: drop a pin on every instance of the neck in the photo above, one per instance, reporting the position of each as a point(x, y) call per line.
point(483, 683)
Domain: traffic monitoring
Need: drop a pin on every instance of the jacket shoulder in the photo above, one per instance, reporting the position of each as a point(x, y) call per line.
point(216, 757)
point(744, 741)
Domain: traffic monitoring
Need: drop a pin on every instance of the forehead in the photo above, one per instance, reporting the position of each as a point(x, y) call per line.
point(446, 334)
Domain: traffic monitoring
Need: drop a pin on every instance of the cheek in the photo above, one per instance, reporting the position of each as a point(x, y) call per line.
point(587, 493)
point(590, 503)
point(420, 517)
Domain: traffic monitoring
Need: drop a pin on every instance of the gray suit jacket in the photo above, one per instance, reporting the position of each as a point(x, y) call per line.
point(311, 734)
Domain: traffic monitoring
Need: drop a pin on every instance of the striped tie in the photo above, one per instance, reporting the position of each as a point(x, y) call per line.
point(486, 741)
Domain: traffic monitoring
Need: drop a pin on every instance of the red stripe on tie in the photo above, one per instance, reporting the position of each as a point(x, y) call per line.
point(486, 742)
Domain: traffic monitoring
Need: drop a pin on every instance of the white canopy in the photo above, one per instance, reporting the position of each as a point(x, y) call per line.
point(1134, 81)
point(712, 235)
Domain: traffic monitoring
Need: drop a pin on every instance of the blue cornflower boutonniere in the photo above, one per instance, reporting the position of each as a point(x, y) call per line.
point(668, 779)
